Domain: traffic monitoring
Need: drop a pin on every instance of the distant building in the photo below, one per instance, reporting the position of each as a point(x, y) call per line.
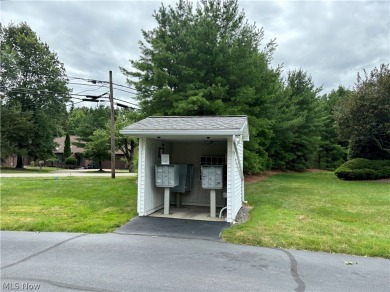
point(77, 152)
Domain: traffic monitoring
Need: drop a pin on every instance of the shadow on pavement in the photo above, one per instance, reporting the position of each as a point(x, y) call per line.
point(168, 227)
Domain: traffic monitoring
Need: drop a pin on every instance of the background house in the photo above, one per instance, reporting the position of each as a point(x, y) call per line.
point(78, 153)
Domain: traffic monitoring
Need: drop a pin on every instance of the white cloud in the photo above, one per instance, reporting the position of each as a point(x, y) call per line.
point(331, 40)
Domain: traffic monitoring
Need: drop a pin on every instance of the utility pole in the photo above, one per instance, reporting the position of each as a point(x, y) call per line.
point(112, 128)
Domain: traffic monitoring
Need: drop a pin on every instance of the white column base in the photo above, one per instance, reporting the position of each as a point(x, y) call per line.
point(213, 205)
point(166, 201)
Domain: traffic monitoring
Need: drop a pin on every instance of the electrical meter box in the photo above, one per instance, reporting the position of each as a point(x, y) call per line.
point(212, 177)
point(167, 175)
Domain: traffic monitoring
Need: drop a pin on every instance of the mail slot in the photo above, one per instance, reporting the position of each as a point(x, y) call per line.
point(212, 177)
point(167, 175)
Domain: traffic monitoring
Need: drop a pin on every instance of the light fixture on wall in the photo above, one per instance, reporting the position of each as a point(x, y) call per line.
point(208, 141)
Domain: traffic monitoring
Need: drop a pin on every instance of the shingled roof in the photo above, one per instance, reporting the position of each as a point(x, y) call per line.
point(189, 125)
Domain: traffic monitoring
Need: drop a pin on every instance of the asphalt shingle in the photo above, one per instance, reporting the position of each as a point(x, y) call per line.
point(190, 123)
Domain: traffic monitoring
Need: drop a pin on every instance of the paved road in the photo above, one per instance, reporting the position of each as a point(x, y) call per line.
point(67, 172)
point(123, 262)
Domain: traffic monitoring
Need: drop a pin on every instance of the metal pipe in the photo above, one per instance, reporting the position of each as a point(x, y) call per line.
point(220, 213)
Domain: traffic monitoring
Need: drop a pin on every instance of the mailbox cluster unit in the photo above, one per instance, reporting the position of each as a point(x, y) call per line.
point(212, 177)
point(167, 175)
point(175, 176)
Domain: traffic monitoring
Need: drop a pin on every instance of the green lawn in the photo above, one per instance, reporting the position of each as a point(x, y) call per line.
point(317, 211)
point(72, 204)
point(310, 211)
point(27, 169)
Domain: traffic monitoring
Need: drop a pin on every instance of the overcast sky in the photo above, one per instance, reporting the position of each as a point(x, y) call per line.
point(331, 40)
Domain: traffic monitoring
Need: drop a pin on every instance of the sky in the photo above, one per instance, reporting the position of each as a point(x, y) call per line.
point(331, 40)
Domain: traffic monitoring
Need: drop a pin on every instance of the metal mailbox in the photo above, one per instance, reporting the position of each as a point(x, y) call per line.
point(212, 177)
point(167, 175)
point(185, 179)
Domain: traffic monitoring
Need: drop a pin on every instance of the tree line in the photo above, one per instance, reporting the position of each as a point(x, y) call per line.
point(202, 58)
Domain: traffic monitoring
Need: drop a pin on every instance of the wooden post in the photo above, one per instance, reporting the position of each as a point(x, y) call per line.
point(112, 128)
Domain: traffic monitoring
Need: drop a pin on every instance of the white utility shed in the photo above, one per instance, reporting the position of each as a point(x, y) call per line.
point(195, 140)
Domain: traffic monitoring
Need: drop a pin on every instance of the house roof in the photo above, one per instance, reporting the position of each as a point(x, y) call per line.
point(191, 126)
point(73, 148)
point(61, 142)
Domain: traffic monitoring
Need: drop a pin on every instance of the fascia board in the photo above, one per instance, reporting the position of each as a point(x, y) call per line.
point(245, 131)
point(149, 133)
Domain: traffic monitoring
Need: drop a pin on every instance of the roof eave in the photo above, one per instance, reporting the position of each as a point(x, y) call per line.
point(161, 133)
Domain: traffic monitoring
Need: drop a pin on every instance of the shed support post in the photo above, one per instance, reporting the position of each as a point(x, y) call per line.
point(213, 205)
point(178, 200)
point(166, 201)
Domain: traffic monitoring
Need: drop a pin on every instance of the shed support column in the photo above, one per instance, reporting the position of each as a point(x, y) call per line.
point(166, 201)
point(213, 205)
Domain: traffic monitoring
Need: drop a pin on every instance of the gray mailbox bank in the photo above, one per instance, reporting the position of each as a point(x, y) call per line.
point(177, 177)
point(212, 179)
point(167, 175)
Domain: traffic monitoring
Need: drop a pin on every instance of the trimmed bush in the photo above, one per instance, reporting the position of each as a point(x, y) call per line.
point(70, 160)
point(363, 169)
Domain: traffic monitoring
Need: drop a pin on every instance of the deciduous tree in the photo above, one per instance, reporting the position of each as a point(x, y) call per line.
point(33, 84)
point(364, 116)
point(98, 148)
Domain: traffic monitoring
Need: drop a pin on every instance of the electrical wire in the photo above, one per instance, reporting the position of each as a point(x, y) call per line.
point(103, 84)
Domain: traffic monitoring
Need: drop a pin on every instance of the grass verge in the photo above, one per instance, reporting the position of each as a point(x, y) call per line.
point(318, 212)
point(71, 204)
point(27, 169)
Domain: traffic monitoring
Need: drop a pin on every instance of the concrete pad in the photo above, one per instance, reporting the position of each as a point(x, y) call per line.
point(190, 213)
point(179, 228)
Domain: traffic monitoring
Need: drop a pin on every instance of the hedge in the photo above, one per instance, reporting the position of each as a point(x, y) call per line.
point(363, 169)
point(70, 160)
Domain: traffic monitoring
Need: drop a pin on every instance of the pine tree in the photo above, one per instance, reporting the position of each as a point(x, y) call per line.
point(297, 124)
point(67, 150)
point(207, 60)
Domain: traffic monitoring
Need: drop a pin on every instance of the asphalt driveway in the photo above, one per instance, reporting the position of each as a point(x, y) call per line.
point(177, 228)
point(123, 262)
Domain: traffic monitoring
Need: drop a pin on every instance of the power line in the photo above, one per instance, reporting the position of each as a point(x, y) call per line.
point(77, 78)
point(94, 81)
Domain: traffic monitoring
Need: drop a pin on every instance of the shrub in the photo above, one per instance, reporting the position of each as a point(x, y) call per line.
point(363, 169)
point(70, 160)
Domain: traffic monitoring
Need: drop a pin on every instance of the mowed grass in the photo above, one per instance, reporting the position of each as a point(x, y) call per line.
point(318, 212)
point(27, 169)
point(71, 204)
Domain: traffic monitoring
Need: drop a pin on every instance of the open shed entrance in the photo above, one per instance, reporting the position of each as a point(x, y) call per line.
point(194, 202)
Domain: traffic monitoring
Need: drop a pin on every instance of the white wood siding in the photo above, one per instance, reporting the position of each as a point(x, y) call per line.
point(141, 177)
point(150, 198)
point(235, 183)
point(230, 182)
